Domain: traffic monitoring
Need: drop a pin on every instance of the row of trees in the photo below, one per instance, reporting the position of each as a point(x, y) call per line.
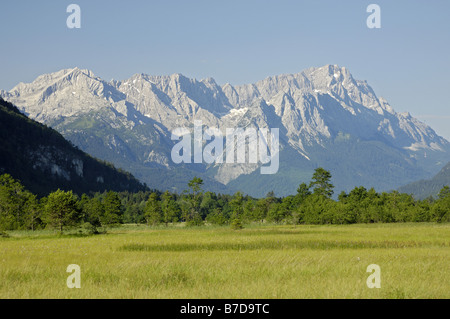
point(312, 204)
point(20, 209)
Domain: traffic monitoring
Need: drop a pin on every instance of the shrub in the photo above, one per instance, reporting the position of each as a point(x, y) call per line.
point(236, 224)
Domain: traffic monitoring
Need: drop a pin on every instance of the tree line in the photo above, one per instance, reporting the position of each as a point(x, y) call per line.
point(312, 204)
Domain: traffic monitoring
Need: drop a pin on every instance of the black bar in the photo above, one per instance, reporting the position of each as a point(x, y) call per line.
point(222, 308)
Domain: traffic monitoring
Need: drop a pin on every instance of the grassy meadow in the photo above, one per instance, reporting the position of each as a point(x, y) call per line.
point(259, 261)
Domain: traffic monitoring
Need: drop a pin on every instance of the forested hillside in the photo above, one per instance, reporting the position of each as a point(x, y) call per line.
point(44, 161)
point(431, 187)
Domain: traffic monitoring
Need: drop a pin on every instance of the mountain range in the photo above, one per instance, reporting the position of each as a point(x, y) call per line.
point(325, 118)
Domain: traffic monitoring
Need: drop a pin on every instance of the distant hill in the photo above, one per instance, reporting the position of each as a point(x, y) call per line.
point(44, 161)
point(424, 188)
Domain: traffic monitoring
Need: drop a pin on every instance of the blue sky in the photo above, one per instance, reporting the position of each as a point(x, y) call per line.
point(407, 61)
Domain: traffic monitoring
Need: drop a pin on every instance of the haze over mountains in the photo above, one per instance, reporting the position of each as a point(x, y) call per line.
point(325, 117)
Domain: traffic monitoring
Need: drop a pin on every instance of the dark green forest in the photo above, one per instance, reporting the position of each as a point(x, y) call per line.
point(312, 204)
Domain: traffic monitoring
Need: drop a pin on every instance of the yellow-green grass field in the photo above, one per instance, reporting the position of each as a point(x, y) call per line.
point(218, 262)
